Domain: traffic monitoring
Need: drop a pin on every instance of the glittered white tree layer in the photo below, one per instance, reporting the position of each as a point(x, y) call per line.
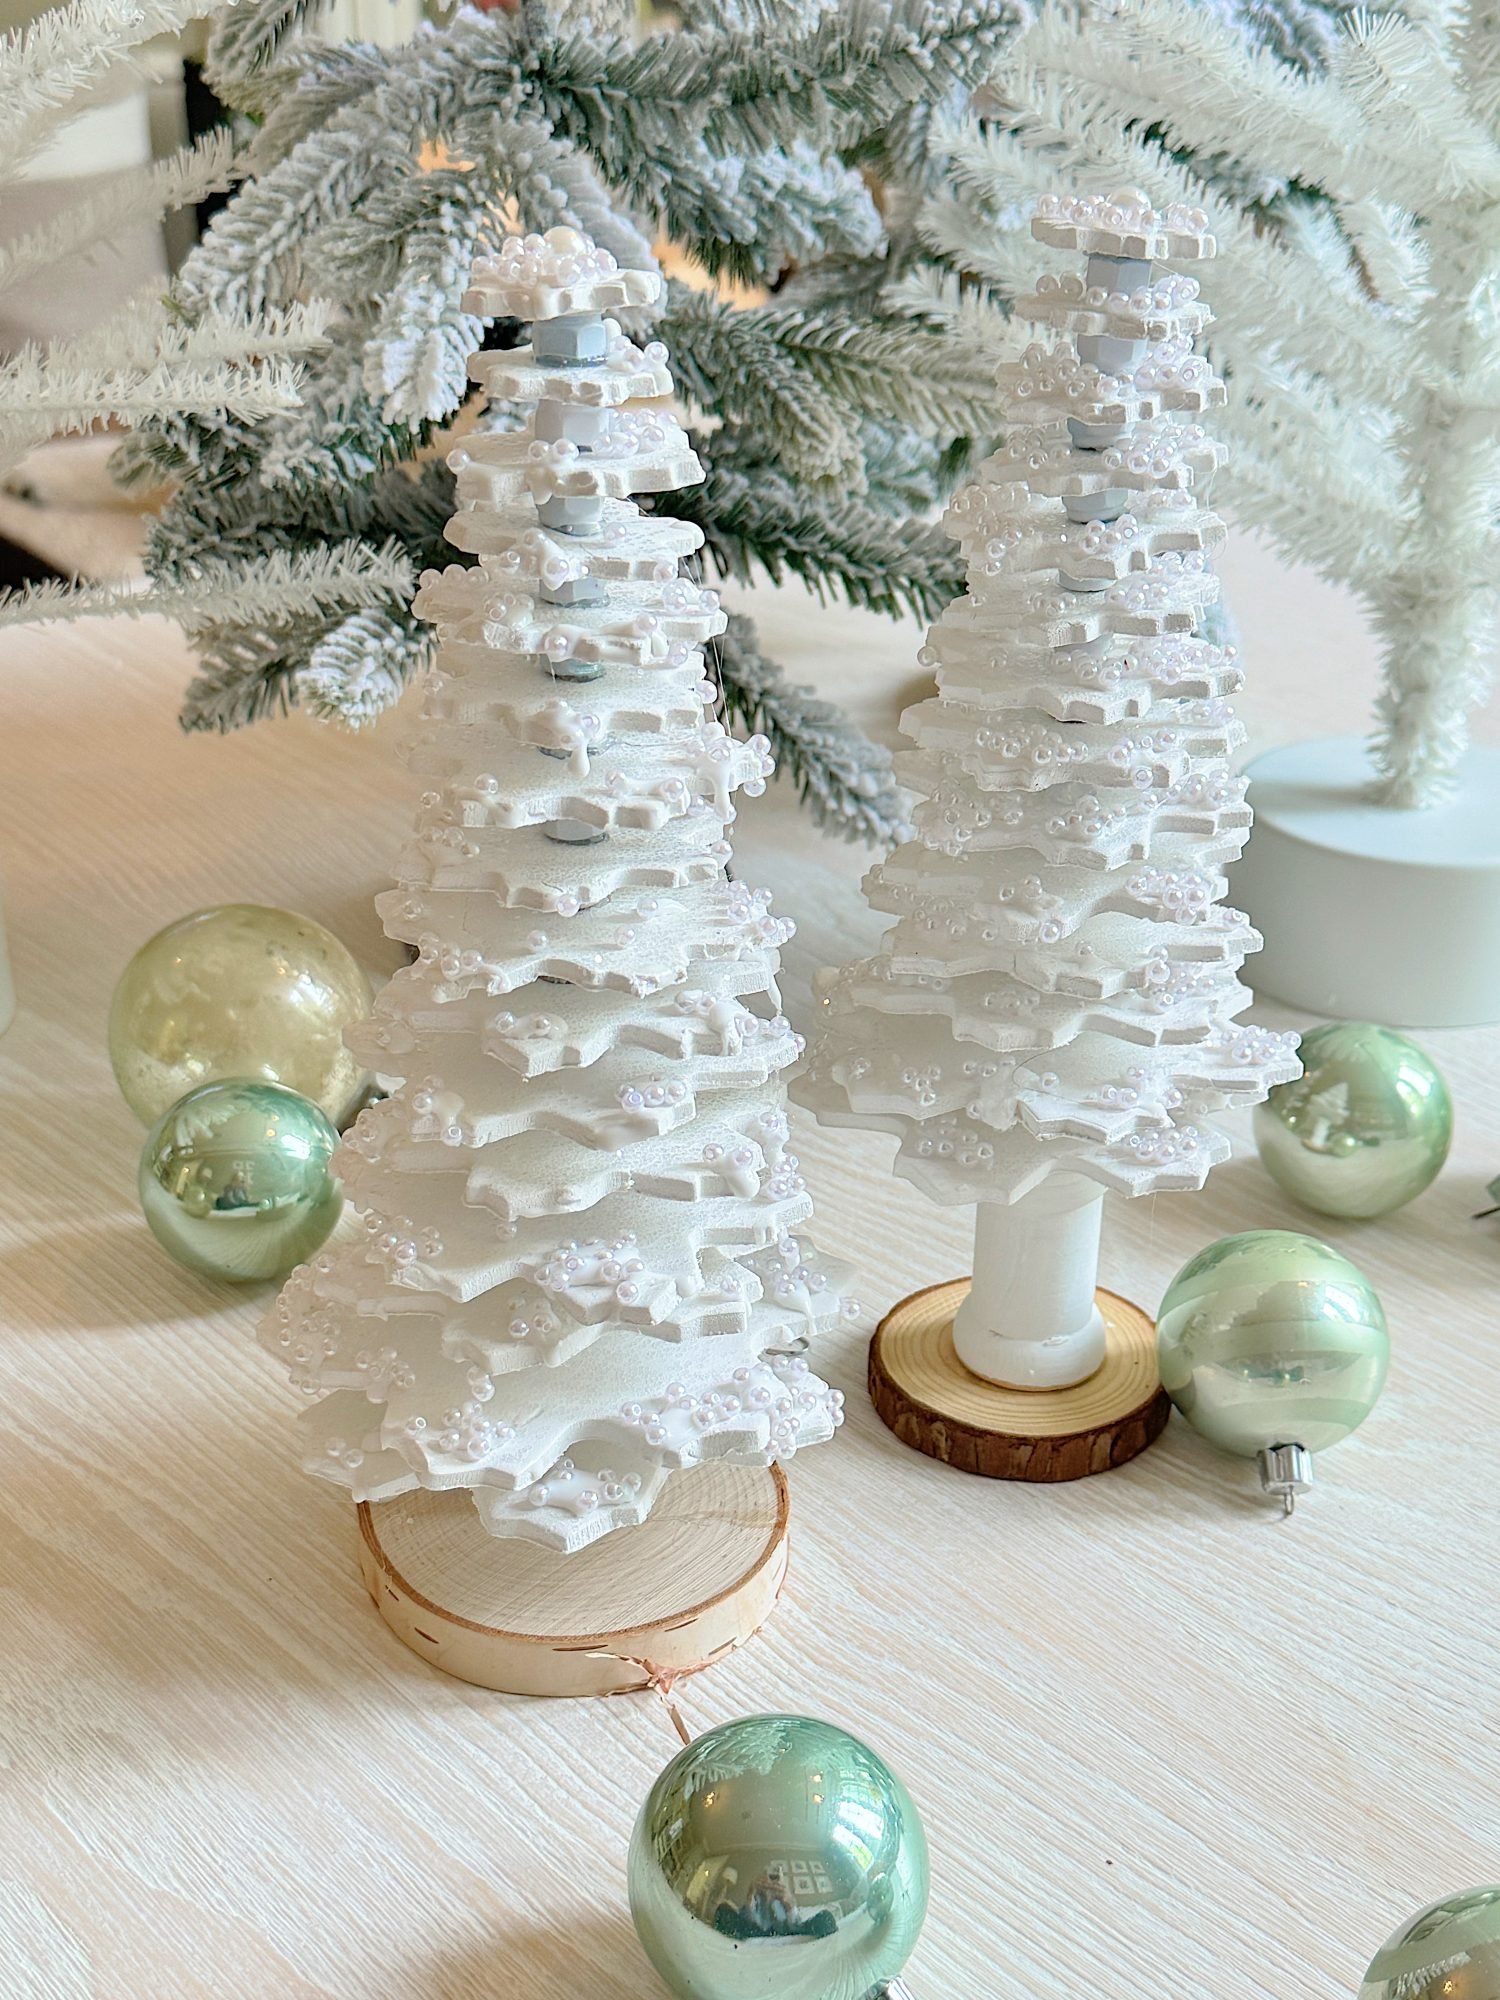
point(580, 1269)
point(1059, 988)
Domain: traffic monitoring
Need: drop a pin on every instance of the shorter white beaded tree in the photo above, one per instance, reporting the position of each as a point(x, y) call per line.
point(581, 1270)
point(1053, 1012)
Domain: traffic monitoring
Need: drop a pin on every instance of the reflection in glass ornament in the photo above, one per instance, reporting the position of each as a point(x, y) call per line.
point(235, 1180)
point(1273, 1346)
point(1365, 1127)
point(238, 991)
point(777, 1858)
point(1451, 1951)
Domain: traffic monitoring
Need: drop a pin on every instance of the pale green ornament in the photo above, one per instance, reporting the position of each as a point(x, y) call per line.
point(236, 1183)
point(238, 991)
point(1273, 1346)
point(777, 1858)
point(1450, 1952)
point(1365, 1127)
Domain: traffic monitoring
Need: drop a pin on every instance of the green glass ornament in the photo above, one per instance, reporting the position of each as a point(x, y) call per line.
point(235, 1180)
point(1450, 1952)
point(1365, 1127)
point(777, 1858)
point(238, 991)
point(1273, 1346)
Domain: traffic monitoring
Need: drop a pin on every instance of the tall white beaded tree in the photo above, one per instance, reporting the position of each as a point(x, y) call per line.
point(580, 1269)
point(1054, 1010)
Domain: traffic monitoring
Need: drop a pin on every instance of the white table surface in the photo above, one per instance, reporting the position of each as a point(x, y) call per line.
point(1167, 1748)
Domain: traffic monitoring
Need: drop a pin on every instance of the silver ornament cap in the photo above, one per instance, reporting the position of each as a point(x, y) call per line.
point(1286, 1470)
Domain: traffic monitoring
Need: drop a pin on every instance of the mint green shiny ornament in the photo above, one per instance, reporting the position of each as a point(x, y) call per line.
point(1272, 1343)
point(1450, 1952)
point(1365, 1127)
point(241, 990)
point(777, 1858)
point(235, 1180)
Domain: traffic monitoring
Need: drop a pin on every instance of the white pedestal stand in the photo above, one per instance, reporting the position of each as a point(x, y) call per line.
point(1030, 1373)
point(1368, 913)
point(1030, 1321)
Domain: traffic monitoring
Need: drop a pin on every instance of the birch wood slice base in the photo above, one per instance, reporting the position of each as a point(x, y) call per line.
point(924, 1393)
point(640, 1608)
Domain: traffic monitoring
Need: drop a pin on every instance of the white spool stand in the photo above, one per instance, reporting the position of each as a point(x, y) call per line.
point(1369, 913)
point(1030, 1321)
point(1025, 1372)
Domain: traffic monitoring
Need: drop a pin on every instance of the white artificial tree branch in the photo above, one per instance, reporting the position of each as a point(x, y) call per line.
point(47, 66)
point(133, 198)
point(1358, 322)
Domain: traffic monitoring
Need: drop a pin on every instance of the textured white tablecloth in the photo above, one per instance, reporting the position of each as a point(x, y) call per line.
point(1167, 1748)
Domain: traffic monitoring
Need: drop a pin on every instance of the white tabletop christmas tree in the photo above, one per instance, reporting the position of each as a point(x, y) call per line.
point(1054, 1010)
point(580, 1268)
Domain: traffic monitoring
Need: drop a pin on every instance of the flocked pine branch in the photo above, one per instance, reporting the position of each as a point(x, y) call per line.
point(1357, 323)
point(285, 587)
point(376, 175)
point(755, 518)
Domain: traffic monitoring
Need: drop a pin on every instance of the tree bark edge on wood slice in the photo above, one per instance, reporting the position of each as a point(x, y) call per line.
point(642, 1608)
point(926, 1397)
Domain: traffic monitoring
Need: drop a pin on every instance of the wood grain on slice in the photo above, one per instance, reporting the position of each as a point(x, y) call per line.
point(641, 1607)
point(924, 1393)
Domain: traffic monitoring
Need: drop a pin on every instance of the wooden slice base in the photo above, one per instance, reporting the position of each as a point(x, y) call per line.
point(924, 1393)
point(639, 1608)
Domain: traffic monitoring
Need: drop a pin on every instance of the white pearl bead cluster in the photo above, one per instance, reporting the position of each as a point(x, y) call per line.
point(1172, 1146)
point(435, 1108)
point(1145, 596)
point(785, 1179)
point(958, 1139)
point(541, 556)
point(464, 1432)
point(1212, 789)
point(1169, 292)
point(652, 1095)
point(1172, 364)
point(556, 261)
point(1137, 1090)
point(1108, 538)
point(348, 1456)
point(1036, 745)
point(1183, 895)
point(1044, 373)
point(1164, 983)
point(574, 1490)
point(1034, 447)
point(1167, 661)
point(532, 1319)
point(780, 1392)
point(1160, 450)
point(399, 1244)
point(750, 910)
point(576, 1271)
point(1255, 1048)
point(1129, 211)
point(528, 1028)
